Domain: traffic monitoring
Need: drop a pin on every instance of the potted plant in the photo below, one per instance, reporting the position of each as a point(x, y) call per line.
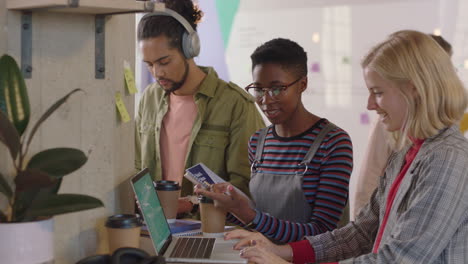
point(31, 191)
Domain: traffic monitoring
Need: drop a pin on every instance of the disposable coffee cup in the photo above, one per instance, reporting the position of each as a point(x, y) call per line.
point(168, 193)
point(213, 219)
point(123, 231)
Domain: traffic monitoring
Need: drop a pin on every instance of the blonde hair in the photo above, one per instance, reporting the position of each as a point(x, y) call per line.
point(412, 57)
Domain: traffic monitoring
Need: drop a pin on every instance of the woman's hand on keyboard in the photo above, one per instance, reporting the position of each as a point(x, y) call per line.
point(260, 245)
point(260, 253)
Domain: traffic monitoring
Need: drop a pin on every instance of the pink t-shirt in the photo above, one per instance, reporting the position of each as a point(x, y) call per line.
point(175, 136)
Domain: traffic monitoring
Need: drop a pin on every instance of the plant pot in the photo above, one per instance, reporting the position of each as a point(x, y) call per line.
point(27, 243)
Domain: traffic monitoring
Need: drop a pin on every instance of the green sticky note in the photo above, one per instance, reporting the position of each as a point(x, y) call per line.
point(129, 79)
point(121, 107)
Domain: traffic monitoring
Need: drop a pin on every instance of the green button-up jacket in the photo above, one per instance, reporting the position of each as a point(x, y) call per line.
point(226, 119)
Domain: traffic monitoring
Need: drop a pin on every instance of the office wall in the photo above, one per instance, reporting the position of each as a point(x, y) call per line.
point(63, 59)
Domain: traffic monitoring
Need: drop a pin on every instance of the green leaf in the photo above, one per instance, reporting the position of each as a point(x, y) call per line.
point(23, 201)
point(49, 112)
point(26, 198)
point(14, 101)
point(58, 162)
point(5, 187)
point(62, 204)
point(9, 136)
point(32, 179)
point(55, 188)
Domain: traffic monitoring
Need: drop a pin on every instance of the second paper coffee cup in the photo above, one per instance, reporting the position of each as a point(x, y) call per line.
point(168, 193)
point(213, 219)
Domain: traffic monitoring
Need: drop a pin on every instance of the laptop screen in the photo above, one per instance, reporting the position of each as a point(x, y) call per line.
point(151, 209)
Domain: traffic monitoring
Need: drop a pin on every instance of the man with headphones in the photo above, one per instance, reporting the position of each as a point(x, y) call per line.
point(189, 115)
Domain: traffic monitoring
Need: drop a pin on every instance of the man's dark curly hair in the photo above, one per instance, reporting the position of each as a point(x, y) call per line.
point(155, 26)
point(284, 52)
point(443, 43)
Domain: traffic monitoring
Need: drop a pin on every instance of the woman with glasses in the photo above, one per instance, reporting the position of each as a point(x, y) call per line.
point(301, 164)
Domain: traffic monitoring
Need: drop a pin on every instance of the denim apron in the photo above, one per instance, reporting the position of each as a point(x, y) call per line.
point(281, 195)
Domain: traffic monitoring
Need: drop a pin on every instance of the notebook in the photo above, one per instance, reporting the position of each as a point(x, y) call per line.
point(178, 249)
point(180, 228)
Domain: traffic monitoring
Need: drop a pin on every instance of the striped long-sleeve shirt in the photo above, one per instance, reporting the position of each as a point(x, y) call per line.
point(325, 184)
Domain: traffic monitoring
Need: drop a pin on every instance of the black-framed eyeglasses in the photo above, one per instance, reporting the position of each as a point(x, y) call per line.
point(274, 91)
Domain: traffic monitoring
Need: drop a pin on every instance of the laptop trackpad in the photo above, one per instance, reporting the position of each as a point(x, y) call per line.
point(223, 250)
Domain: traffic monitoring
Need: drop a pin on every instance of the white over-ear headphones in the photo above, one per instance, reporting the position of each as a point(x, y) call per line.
point(190, 39)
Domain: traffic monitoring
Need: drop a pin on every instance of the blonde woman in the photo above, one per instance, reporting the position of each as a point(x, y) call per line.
point(375, 158)
point(419, 212)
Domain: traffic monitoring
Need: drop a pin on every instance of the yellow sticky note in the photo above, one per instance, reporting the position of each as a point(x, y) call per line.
point(121, 107)
point(129, 79)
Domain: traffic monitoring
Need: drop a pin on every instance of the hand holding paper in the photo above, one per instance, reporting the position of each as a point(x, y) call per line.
point(225, 195)
point(206, 179)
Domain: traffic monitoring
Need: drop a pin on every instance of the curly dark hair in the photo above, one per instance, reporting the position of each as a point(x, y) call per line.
point(443, 43)
point(155, 26)
point(284, 52)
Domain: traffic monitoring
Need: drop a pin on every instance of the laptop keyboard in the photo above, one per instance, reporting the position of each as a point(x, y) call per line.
point(193, 247)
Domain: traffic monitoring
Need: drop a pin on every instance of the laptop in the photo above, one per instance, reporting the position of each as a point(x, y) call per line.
point(188, 249)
